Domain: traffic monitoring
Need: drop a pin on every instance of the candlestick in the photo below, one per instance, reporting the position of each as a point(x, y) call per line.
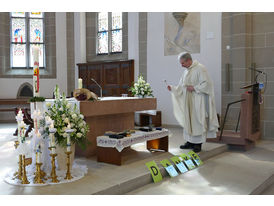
point(68, 174)
point(24, 175)
point(38, 174)
point(80, 83)
point(53, 167)
point(19, 173)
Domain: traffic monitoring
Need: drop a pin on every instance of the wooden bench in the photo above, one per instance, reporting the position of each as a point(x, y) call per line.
point(111, 150)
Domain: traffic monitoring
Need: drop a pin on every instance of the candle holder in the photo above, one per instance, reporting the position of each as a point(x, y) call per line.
point(16, 144)
point(19, 173)
point(38, 174)
point(68, 174)
point(24, 175)
point(53, 167)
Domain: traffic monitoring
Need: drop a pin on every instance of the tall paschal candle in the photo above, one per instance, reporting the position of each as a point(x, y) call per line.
point(36, 83)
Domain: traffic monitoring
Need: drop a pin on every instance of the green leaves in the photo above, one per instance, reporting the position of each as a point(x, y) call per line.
point(141, 88)
point(60, 112)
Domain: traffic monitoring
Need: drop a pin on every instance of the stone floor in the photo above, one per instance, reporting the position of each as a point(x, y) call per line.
point(228, 173)
point(224, 172)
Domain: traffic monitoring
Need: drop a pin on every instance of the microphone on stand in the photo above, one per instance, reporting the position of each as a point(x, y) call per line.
point(101, 92)
point(256, 70)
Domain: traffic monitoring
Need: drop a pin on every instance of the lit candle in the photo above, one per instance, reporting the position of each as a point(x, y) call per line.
point(68, 148)
point(38, 118)
point(38, 155)
point(19, 133)
point(80, 83)
point(36, 51)
point(38, 135)
point(68, 143)
point(53, 150)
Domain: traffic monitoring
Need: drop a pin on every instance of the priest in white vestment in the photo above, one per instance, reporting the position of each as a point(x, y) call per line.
point(194, 103)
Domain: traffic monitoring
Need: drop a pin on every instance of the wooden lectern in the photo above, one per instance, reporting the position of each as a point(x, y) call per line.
point(249, 118)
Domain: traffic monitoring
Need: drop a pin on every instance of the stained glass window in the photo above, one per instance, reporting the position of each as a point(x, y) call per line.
point(102, 21)
point(103, 42)
point(36, 30)
point(18, 30)
point(26, 31)
point(19, 55)
point(18, 14)
point(116, 20)
point(116, 45)
point(109, 36)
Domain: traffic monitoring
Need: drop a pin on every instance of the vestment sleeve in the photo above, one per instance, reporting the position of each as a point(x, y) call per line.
point(204, 81)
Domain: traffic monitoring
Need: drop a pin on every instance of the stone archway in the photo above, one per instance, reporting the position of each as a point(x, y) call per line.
point(25, 91)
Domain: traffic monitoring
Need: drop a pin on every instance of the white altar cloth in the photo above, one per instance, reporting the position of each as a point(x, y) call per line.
point(138, 137)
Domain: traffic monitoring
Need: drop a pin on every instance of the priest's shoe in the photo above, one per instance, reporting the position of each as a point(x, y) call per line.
point(197, 147)
point(187, 145)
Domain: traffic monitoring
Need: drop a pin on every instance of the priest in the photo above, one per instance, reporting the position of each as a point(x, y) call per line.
point(194, 103)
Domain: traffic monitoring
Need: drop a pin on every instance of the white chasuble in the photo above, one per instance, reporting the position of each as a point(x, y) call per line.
point(195, 111)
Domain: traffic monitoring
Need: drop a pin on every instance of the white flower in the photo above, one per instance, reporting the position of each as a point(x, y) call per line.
point(64, 128)
point(68, 105)
point(74, 116)
point(48, 104)
point(79, 135)
point(63, 116)
point(83, 130)
point(81, 116)
point(65, 135)
point(66, 120)
point(71, 125)
point(61, 109)
point(81, 125)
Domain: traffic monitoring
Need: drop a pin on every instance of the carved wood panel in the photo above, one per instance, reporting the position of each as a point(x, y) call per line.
point(114, 77)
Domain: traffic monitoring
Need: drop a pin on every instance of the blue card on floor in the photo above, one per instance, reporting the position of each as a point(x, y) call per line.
point(196, 158)
point(187, 161)
point(169, 168)
point(182, 168)
point(189, 164)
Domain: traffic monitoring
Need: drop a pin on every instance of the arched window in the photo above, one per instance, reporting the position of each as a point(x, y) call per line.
point(109, 32)
point(26, 30)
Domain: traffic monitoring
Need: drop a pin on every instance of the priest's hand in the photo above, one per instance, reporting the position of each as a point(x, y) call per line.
point(169, 88)
point(190, 88)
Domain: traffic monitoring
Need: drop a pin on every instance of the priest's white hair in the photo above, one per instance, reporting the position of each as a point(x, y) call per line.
point(185, 56)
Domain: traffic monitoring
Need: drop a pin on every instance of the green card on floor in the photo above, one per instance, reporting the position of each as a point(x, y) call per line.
point(154, 170)
point(179, 164)
point(196, 158)
point(169, 168)
point(190, 165)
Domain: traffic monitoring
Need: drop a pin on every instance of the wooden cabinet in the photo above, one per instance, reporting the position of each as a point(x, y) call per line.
point(115, 77)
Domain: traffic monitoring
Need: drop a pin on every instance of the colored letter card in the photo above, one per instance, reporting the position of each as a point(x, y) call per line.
point(196, 158)
point(187, 161)
point(154, 170)
point(182, 168)
point(169, 168)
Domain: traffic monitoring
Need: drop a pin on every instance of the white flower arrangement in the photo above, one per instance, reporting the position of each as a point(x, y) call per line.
point(62, 114)
point(141, 88)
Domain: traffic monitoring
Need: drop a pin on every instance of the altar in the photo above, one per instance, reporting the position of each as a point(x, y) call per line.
point(110, 114)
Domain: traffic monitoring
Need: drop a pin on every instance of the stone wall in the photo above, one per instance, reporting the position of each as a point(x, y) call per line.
point(70, 53)
point(143, 44)
point(250, 37)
